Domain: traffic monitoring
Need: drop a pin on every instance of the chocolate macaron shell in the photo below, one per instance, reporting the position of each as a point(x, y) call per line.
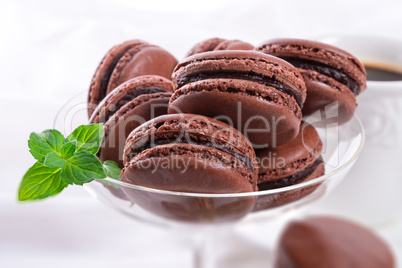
point(324, 241)
point(337, 58)
point(191, 208)
point(192, 129)
point(127, 91)
point(290, 158)
point(130, 116)
point(234, 45)
point(242, 65)
point(204, 46)
point(219, 44)
point(142, 60)
point(100, 80)
point(257, 101)
point(192, 168)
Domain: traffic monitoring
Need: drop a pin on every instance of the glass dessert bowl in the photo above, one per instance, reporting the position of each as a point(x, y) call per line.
point(170, 208)
point(203, 216)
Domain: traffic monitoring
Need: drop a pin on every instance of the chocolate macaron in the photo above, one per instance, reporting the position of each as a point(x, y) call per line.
point(218, 158)
point(127, 60)
point(213, 44)
point(332, 75)
point(294, 162)
point(323, 241)
point(192, 154)
point(128, 106)
point(258, 94)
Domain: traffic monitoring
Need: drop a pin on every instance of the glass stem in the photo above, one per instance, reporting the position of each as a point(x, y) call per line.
point(204, 252)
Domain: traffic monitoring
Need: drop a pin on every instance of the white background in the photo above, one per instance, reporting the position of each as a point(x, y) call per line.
point(48, 53)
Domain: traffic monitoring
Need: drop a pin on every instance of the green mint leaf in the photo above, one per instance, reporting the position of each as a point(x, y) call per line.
point(81, 168)
point(40, 144)
point(88, 137)
point(112, 170)
point(68, 149)
point(54, 159)
point(40, 182)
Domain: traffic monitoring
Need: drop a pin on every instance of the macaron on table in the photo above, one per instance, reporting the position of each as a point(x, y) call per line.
point(331, 242)
point(218, 138)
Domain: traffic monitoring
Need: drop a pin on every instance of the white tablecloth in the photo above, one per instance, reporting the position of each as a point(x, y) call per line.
point(48, 53)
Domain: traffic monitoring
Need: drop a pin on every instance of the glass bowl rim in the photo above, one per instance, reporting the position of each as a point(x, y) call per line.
point(257, 193)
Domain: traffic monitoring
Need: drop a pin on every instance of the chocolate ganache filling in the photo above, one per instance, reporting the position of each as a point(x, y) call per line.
point(175, 137)
point(141, 91)
point(130, 96)
point(329, 71)
point(292, 179)
point(106, 76)
point(265, 80)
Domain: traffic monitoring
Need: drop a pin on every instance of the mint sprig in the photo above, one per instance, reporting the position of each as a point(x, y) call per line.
point(63, 161)
point(111, 169)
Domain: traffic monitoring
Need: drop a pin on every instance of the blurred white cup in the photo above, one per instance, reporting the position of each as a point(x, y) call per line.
point(371, 191)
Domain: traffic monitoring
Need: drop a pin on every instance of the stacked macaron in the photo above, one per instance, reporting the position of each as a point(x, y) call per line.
point(251, 91)
point(294, 162)
point(125, 61)
point(235, 113)
point(332, 75)
point(203, 156)
point(128, 106)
